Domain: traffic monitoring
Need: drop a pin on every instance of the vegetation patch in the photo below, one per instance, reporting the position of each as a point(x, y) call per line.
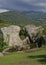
point(24, 58)
point(22, 34)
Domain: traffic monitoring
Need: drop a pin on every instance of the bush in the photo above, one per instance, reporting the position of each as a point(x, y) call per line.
point(22, 34)
point(3, 45)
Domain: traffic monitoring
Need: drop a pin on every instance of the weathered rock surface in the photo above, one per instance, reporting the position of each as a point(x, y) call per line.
point(11, 35)
point(26, 43)
point(44, 37)
point(33, 32)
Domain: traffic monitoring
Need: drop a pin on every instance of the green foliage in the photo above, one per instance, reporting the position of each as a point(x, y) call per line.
point(3, 45)
point(40, 42)
point(22, 34)
point(4, 23)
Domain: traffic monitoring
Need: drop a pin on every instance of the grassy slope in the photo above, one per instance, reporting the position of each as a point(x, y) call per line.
point(37, 18)
point(20, 18)
point(19, 58)
point(5, 23)
point(16, 17)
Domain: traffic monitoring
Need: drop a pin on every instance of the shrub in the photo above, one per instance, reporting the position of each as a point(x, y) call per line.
point(22, 34)
point(3, 45)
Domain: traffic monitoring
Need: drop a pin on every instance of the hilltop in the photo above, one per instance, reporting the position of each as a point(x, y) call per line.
point(15, 17)
point(37, 18)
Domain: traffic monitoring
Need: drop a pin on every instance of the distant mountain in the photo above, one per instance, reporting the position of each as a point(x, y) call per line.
point(37, 18)
point(30, 12)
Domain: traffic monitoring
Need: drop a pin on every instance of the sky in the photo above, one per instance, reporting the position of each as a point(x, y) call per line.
point(23, 5)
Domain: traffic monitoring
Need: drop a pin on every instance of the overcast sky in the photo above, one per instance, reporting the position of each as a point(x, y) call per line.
point(23, 5)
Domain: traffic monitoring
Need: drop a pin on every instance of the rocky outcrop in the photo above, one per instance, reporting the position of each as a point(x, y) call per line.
point(12, 39)
point(44, 37)
point(33, 32)
point(11, 35)
point(26, 43)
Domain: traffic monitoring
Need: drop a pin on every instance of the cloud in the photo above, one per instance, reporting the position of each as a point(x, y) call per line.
point(35, 2)
point(3, 10)
point(22, 5)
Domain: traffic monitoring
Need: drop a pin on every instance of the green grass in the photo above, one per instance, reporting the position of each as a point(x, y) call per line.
point(24, 58)
point(4, 23)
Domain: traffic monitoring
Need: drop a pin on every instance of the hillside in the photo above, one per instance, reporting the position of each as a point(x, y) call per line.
point(15, 17)
point(5, 23)
point(37, 18)
point(37, 57)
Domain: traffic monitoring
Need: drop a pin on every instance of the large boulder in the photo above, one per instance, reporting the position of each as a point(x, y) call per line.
point(25, 46)
point(12, 39)
point(44, 37)
point(11, 35)
point(26, 43)
point(33, 32)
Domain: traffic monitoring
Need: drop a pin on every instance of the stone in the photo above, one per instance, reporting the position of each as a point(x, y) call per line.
point(33, 32)
point(11, 35)
point(26, 43)
point(44, 37)
point(12, 39)
point(1, 54)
